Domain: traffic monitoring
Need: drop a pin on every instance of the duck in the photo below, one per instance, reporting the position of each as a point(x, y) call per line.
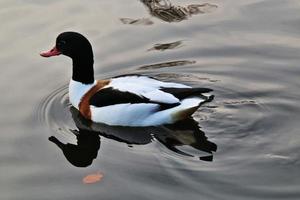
point(134, 100)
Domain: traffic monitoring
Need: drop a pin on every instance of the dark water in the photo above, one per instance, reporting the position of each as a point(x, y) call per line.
point(248, 144)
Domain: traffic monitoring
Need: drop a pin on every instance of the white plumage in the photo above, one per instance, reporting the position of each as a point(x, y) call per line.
point(136, 114)
point(147, 87)
point(77, 90)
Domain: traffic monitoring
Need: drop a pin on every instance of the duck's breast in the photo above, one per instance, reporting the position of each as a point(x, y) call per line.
point(77, 91)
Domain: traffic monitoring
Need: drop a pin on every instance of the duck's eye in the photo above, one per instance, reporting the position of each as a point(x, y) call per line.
point(61, 43)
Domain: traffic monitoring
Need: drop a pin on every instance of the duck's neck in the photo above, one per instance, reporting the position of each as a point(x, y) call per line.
point(83, 70)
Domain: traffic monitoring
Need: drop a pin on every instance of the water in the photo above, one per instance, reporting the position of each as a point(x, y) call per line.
point(247, 146)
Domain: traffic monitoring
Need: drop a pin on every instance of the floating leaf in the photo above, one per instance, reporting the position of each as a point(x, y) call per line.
point(93, 178)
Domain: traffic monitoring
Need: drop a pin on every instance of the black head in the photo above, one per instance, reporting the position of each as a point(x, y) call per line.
point(74, 45)
point(77, 47)
point(71, 44)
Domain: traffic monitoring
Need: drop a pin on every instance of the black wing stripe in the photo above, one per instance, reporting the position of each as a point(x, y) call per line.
point(182, 93)
point(110, 96)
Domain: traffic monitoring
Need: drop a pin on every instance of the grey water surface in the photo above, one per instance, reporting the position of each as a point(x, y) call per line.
point(247, 143)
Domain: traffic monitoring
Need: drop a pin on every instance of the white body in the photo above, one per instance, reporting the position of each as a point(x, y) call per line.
point(137, 114)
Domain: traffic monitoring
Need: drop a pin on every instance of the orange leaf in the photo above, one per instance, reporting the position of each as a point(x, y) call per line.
point(93, 178)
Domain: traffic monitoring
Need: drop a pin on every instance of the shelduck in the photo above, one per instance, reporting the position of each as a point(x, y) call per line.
point(128, 100)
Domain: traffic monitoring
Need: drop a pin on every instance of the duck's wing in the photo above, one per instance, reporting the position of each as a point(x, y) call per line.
point(112, 96)
point(155, 89)
point(135, 89)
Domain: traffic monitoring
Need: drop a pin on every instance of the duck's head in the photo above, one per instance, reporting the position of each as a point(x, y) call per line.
point(71, 44)
point(77, 47)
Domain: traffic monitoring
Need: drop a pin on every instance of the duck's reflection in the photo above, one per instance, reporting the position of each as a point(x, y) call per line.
point(184, 133)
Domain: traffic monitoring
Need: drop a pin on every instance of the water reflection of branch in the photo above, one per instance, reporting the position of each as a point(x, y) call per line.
point(167, 64)
point(184, 133)
point(164, 10)
point(166, 46)
point(143, 21)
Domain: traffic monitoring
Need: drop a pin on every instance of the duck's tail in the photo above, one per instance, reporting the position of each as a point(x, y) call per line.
point(191, 99)
point(180, 112)
point(188, 106)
